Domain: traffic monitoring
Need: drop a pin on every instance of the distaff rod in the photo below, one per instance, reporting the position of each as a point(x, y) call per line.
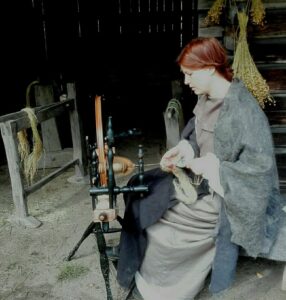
point(100, 143)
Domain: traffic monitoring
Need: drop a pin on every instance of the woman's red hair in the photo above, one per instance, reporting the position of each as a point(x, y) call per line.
point(204, 52)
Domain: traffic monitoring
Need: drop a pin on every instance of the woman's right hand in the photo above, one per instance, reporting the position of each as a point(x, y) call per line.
point(167, 162)
point(178, 156)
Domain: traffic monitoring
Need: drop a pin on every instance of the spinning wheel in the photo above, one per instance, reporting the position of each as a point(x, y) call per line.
point(103, 165)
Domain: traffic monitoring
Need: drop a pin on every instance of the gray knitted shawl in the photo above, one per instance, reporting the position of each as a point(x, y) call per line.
point(243, 143)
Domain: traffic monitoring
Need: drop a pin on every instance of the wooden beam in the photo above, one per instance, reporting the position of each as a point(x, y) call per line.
point(79, 149)
point(49, 177)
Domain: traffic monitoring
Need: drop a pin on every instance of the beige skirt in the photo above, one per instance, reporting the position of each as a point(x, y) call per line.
point(180, 251)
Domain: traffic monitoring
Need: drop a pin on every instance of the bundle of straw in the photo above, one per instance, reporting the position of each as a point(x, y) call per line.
point(23, 145)
point(30, 159)
point(245, 68)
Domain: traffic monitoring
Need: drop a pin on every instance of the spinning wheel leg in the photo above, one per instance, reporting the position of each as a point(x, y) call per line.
point(87, 232)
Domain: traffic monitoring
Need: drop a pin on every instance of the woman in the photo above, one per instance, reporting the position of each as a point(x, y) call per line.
point(169, 245)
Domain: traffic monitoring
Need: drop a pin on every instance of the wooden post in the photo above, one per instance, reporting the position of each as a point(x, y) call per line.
point(77, 138)
point(44, 95)
point(54, 156)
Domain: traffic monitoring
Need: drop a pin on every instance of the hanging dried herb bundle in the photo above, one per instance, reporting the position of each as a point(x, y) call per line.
point(244, 67)
point(214, 13)
point(257, 12)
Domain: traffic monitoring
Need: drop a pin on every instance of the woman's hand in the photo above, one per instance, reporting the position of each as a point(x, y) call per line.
point(199, 165)
point(208, 166)
point(204, 165)
point(180, 156)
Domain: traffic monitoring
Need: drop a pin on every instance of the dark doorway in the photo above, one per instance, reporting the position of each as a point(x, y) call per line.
point(122, 49)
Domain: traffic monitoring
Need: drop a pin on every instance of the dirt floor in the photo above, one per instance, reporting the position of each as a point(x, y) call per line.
point(32, 260)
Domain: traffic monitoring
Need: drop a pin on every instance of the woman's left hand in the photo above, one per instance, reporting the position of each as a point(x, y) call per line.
point(204, 165)
point(208, 166)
